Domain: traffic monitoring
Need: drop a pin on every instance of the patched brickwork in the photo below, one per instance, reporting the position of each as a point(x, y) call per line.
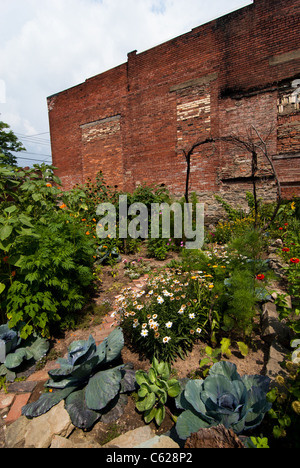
point(226, 77)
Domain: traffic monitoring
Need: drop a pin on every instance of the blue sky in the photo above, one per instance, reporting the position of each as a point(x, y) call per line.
point(47, 46)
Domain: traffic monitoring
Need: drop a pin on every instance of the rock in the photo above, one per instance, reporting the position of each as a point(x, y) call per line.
point(277, 355)
point(6, 400)
point(39, 432)
point(15, 433)
point(278, 265)
point(132, 439)
point(62, 442)
point(272, 327)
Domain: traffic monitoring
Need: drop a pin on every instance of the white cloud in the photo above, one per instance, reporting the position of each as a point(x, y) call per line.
point(50, 45)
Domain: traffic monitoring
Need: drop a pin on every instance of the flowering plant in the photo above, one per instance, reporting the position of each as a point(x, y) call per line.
point(170, 315)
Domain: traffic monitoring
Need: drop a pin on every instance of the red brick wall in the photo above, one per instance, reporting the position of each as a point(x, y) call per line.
point(133, 121)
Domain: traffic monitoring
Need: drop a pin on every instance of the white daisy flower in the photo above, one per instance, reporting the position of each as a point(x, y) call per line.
point(166, 339)
point(144, 333)
point(160, 300)
point(169, 324)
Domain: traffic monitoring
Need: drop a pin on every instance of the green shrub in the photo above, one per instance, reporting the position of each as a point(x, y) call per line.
point(47, 253)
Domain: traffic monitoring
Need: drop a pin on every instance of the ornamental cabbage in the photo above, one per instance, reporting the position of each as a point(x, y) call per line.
point(89, 381)
point(15, 352)
point(224, 397)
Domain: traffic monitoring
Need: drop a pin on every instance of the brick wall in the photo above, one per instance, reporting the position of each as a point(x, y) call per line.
point(219, 79)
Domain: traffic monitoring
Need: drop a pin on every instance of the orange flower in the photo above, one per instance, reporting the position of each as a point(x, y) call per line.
point(83, 220)
point(87, 233)
point(63, 206)
point(5, 259)
point(48, 185)
point(13, 273)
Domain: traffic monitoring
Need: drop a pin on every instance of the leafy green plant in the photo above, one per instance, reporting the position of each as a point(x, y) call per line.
point(47, 254)
point(136, 268)
point(14, 351)
point(214, 355)
point(257, 442)
point(89, 380)
point(155, 388)
point(285, 399)
point(223, 397)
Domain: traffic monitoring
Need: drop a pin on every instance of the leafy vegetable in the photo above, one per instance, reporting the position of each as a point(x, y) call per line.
point(155, 387)
point(87, 381)
point(224, 397)
point(14, 351)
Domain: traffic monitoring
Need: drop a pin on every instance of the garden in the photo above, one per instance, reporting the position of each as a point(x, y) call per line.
point(188, 353)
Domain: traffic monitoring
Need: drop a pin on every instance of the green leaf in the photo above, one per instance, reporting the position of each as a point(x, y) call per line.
point(81, 416)
point(11, 209)
point(45, 403)
point(115, 343)
point(149, 415)
point(174, 388)
point(143, 391)
point(102, 388)
point(39, 348)
point(14, 360)
point(141, 377)
point(2, 287)
point(160, 415)
point(188, 423)
point(244, 350)
point(225, 344)
point(5, 232)
point(152, 375)
point(147, 403)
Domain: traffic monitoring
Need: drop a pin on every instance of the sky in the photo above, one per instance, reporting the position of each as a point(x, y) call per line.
point(47, 46)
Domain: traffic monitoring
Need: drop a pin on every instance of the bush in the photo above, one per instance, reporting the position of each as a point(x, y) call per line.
point(47, 253)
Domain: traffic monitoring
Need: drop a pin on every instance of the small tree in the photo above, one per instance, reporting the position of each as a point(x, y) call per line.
point(8, 143)
point(253, 146)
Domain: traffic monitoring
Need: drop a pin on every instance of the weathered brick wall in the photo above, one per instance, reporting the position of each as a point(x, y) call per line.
point(220, 79)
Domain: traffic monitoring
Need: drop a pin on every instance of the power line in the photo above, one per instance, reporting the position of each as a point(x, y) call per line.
point(29, 159)
point(37, 154)
point(37, 134)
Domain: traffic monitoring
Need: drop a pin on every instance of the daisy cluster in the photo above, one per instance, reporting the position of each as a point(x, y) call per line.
point(169, 310)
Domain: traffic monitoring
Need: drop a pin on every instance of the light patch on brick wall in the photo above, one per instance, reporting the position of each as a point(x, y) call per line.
point(101, 129)
point(193, 109)
point(288, 128)
point(289, 99)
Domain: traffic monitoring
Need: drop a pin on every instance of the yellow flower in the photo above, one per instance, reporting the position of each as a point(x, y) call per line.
point(293, 206)
point(211, 286)
point(296, 407)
